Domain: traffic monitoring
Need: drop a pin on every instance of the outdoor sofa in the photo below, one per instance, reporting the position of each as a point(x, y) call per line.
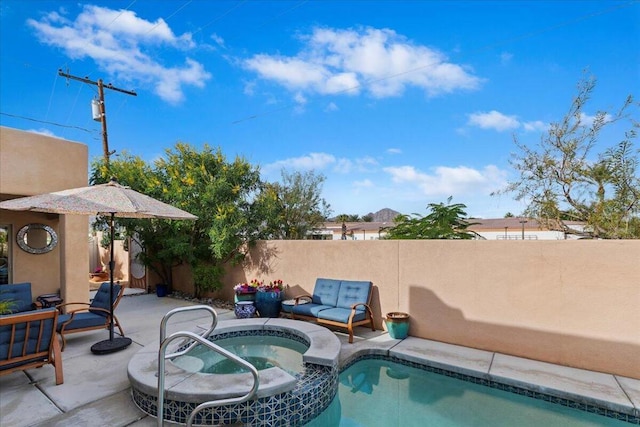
point(27, 336)
point(19, 296)
point(342, 303)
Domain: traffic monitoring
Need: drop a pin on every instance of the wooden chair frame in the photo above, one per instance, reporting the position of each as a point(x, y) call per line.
point(83, 309)
point(27, 360)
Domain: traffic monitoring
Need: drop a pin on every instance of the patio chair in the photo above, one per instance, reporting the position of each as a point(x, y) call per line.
point(28, 340)
point(90, 316)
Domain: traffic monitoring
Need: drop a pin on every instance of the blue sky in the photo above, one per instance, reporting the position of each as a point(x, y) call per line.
point(398, 103)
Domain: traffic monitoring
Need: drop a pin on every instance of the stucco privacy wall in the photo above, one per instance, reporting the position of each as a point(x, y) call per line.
point(573, 303)
point(33, 164)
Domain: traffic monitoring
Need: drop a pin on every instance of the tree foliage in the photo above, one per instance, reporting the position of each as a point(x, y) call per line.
point(563, 179)
point(444, 221)
point(293, 207)
point(219, 192)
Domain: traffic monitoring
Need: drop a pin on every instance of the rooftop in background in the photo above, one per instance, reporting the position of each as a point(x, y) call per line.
point(489, 229)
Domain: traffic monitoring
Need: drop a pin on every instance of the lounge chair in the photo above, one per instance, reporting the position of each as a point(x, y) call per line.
point(90, 316)
point(28, 340)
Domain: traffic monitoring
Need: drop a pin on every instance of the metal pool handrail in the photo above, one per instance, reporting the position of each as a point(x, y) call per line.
point(162, 357)
point(166, 317)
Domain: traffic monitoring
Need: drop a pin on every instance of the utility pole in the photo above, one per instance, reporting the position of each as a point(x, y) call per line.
point(103, 114)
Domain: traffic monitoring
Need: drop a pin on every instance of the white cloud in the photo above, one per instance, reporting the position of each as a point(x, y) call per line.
point(249, 88)
point(312, 161)
point(501, 122)
point(116, 40)
point(587, 120)
point(362, 164)
point(505, 58)
point(365, 183)
point(535, 126)
point(493, 120)
point(394, 151)
point(378, 61)
point(300, 99)
point(43, 131)
point(322, 161)
point(217, 39)
point(331, 107)
point(448, 181)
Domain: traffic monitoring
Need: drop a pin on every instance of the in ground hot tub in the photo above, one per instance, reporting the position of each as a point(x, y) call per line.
point(285, 397)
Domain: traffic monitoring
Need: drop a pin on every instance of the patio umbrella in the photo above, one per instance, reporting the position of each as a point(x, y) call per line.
point(111, 200)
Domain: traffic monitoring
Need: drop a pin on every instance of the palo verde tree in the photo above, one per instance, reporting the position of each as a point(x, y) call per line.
point(219, 192)
point(444, 221)
point(293, 207)
point(562, 178)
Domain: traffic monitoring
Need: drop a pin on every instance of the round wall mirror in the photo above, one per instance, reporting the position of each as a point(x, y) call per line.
point(37, 238)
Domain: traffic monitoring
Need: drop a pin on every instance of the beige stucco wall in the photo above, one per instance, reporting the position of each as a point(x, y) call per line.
point(573, 303)
point(34, 164)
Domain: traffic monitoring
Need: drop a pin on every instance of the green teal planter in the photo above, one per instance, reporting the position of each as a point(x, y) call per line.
point(398, 325)
point(244, 296)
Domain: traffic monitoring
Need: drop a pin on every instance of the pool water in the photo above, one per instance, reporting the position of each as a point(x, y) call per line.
point(263, 352)
point(374, 392)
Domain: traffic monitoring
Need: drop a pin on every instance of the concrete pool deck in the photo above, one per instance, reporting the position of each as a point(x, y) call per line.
point(96, 389)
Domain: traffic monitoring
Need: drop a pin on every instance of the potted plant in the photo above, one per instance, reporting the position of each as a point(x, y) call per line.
point(6, 306)
point(397, 324)
point(246, 291)
point(269, 298)
point(99, 274)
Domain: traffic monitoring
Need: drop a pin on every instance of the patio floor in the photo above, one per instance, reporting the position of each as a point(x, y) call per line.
point(96, 389)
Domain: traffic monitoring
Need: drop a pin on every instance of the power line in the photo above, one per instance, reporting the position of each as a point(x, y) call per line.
point(168, 17)
point(47, 122)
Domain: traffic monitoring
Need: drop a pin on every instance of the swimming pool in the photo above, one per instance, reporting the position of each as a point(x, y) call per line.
point(387, 392)
point(387, 383)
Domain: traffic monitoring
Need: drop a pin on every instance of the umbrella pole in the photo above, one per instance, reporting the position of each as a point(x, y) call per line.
point(112, 265)
point(111, 345)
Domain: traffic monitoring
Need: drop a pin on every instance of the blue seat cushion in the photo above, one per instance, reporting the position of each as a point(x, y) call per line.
point(81, 320)
point(20, 336)
point(101, 298)
point(19, 294)
point(325, 292)
point(341, 315)
point(352, 292)
point(310, 309)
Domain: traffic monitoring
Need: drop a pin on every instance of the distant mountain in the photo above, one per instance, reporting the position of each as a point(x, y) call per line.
point(384, 215)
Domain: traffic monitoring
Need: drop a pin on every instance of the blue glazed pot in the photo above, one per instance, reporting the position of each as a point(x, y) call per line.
point(397, 325)
point(244, 309)
point(268, 304)
point(162, 289)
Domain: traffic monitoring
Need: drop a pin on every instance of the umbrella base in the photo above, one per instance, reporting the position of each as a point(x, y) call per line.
point(110, 346)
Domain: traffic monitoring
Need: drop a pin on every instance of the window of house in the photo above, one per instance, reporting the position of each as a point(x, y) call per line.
point(5, 254)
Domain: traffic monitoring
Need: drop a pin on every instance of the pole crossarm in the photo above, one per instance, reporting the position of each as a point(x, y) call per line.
point(96, 83)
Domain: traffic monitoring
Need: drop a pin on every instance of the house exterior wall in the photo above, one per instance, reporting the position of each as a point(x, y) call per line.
point(573, 302)
point(33, 164)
